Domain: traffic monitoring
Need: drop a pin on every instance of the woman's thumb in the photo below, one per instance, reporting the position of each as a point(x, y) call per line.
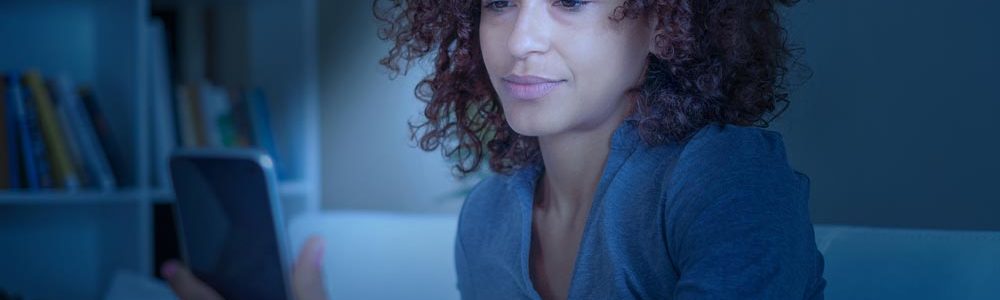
point(307, 274)
point(184, 284)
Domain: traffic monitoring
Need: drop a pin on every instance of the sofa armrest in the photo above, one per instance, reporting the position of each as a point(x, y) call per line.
point(881, 263)
point(380, 255)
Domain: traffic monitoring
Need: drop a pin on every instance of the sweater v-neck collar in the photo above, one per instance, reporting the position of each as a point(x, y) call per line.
point(624, 141)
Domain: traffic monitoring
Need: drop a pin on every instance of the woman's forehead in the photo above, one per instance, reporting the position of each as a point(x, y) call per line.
point(619, 2)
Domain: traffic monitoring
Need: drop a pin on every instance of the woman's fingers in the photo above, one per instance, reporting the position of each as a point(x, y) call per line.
point(185, 285)
point(307, 274)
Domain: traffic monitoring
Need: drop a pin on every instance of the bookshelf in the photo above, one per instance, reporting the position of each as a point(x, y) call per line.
point(59, 244)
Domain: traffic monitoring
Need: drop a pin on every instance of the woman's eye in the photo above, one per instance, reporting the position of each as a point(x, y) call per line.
point(497, 5)
point(571, 4)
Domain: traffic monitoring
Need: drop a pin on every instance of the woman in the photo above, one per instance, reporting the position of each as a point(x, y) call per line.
point(621, 135)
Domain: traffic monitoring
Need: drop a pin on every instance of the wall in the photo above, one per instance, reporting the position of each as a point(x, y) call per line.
point(368, 159)
point(897, 127)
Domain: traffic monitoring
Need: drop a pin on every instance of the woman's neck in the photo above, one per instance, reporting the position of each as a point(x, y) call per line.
point(574, 162)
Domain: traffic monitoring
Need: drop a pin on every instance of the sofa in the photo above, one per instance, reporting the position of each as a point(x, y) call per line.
point(381, 255)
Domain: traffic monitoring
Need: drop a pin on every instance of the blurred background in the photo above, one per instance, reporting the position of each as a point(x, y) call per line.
point(896, 124)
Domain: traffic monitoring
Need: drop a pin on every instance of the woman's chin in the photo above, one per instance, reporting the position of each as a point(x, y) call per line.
point(532, 125)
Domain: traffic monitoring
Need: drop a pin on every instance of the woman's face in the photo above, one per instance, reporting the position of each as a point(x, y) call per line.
point(562, 66)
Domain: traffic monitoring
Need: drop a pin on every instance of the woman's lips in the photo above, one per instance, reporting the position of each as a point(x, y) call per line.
point(529, 87)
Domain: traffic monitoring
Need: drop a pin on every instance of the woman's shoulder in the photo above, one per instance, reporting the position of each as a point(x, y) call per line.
point(725, 161)
point(492, 202)
point(734, 205)
point(726, 150)
point(490, 191)
point(735, 139)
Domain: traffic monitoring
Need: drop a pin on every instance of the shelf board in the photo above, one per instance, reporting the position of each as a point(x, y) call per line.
point(208, 3)
point(67, 197)
point(293, 188)
point(285, 189)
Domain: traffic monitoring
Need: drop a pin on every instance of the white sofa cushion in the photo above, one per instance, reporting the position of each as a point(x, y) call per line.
point(380, 255)
point(880, 263)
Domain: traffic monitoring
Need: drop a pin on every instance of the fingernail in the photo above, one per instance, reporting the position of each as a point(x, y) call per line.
point(318, 254)
point(169, 269)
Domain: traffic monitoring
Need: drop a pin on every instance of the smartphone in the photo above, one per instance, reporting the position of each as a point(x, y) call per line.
point(230, 222)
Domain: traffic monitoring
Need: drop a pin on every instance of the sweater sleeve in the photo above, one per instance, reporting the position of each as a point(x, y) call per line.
point(738, 221)
point(465, 288)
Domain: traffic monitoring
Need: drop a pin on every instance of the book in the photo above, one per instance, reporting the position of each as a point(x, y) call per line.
point(20, 113)
point(58, 154)
point(195, 98)
point(59, 95)
point(212, 116)
point(226, 120)
point(163, 141)
point(214, 105)
point(12, 127)
point(227, 131)
point(92, 155)
point(185, 116)
point(102, 128)
point(38, 156)
point(205, 114)
point(5, 172)
point(27, 134)
point(241, 119)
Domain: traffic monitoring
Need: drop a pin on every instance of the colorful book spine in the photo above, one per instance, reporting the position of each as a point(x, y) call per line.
point(65, 174)
point(13, 128)
point(59, 94)
point(93, 156)
point(227, 131)
point(39, 154)
point(5, 171)
point(23, 131)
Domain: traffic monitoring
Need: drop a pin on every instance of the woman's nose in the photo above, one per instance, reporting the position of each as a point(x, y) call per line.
point(531, 30)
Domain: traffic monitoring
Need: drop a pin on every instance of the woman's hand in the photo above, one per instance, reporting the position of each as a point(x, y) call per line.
point(307, 279)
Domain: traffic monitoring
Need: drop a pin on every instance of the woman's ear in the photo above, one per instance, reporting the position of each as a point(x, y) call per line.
point(656, 33)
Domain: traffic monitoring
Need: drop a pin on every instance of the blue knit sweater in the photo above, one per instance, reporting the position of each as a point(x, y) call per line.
point(719, 216)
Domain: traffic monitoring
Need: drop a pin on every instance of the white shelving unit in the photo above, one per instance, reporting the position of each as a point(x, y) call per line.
point(67, 245)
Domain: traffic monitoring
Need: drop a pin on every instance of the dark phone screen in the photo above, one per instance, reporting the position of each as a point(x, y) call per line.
point(228, 227)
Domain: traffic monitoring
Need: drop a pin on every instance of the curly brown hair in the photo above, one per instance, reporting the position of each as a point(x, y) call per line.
point(717, 61)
